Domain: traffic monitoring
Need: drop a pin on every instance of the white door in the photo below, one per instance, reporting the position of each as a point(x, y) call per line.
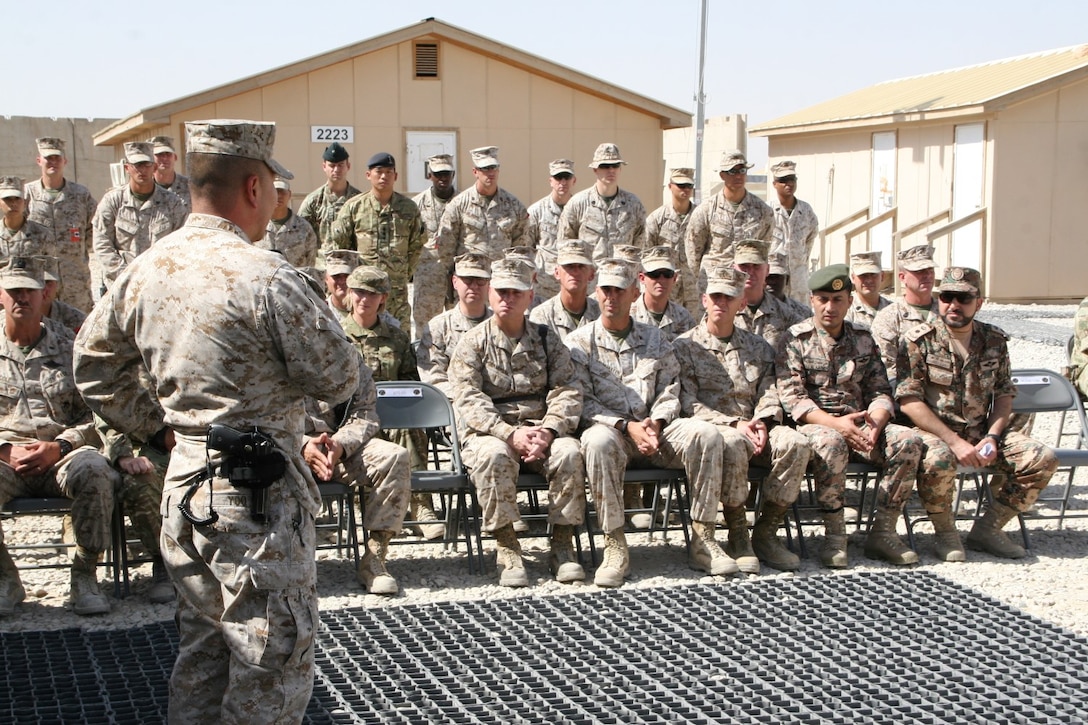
point(968, 177)
point(421, 146)
point(883, 195)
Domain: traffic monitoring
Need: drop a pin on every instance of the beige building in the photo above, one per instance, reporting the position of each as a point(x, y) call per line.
point(425, 89)
point(985, 162)
point(720, 134)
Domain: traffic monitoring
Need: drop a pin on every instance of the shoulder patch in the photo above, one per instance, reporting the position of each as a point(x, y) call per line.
point(918, 331)
point(802, 327)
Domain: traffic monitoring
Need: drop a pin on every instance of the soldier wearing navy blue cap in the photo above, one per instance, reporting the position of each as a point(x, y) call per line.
point(321, 205)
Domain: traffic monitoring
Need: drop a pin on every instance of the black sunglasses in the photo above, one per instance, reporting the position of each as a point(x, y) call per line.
point(787, 180)
point(964, 298)
point(686, 186)
point(608, 166)
point(737, 171)
point(659, 273)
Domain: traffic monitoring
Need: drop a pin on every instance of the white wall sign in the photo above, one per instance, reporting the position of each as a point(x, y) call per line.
point(328, 134)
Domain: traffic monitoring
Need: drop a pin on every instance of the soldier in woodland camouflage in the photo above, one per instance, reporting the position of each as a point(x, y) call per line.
point(322, 205)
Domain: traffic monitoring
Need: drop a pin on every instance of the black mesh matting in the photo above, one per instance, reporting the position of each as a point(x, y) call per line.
point(883, 647)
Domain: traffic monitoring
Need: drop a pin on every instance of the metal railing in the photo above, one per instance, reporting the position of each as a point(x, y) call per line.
point(864, 212)
point(980, 216)
point(899, 236)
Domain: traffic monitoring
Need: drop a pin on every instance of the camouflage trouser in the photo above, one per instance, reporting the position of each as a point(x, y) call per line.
point(75, 276)
point(494, 467)
point(693, 445)
point(1026, 463)
point(786, 455)
point(380, 471)
point(733, 491)
point(85, 476)
point(898, 450)
point(142, 497)
point(429, 283)
point(247, 607)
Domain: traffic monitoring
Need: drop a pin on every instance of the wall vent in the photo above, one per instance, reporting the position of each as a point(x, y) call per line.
point(426, 60)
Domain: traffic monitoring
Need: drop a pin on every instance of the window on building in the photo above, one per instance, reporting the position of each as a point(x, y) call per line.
point(426, 57)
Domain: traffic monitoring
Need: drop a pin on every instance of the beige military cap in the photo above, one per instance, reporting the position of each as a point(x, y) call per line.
point(282, 183)
point(750, 251)
point(472, 264)
point(629, 252)
point(783, 169)
point(606, 153)
point(340, 261)
point(865, 263)
point(961, 279)
point(369, 278)
point(520, 252)
point(440, 162)
point(485, 156)
point(22, 273)
point(916, 258)
point(10, 186)
point(50, 268)
point(138, 152)
point(574, 251)
point(561, 166)
point(50, 146)
point(162, 144)
point(616, 272)
point(733, 159)
point(682, 175)
point(660, 257)
point(725, 280)
point(229, 137)
point(512, 273)
point(778, 264)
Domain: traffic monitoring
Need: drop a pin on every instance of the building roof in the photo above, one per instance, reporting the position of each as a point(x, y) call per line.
point(983, 88)
point(153, 116)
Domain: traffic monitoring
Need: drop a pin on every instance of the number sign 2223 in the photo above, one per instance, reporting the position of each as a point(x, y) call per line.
point(326, 134)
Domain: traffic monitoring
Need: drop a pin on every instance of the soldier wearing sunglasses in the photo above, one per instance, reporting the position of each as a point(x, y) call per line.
point(659, 273)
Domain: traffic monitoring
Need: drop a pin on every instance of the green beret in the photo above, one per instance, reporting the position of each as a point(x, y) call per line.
point(832, 278)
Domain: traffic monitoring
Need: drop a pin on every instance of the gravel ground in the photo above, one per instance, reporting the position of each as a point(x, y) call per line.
point(1051, 584)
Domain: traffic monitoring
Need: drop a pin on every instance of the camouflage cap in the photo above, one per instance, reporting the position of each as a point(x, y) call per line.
point(334, 153)
point(22, 273)
point(916, 258)
point(778, 263)
point(750, 251)
point(629, 252)
point(682, 175)
point(162, 144)
point(369, 278)
point(512, 273)
point(606, 153)
point(50, 146)
point(725, 280)
point(783, 169)
point(660, 257)
point(281, 183)
point(616, 272)
point(138, 152)
point(733, 159)
point(832, 278)
point(865, 263)
point(485, 156)
point(229, 137)
point(962, 279)
point(520, 252)
point(439, 163)
point(10, 186)
point(575, 251)
point(561, 166)
point(50, 268)
point(472, 264)
point(340, 261)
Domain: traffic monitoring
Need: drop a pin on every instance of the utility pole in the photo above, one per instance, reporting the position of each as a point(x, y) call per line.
point(700, 103)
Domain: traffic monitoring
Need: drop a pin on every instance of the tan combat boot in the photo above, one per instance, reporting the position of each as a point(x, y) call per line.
point(986, 535)
point(508, 558)
point(740, 543)
point(765, 542)
point(11, 588)
point(883, 543)
point(422, 510)
point(947, 544)
point(616, 562)
point(705, 554)
point(833, 553)
point(162, 589)
point(86, 598)
point(562, 562)
point(632, 499)
point(371, 572)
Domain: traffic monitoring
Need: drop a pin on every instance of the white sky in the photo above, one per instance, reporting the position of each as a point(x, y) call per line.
point(109, 58)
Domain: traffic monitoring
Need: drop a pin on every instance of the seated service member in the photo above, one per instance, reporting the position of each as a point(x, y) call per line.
point(55, 309)
point(338, 264)
point(573, 307)
point(518, 404)
point(778, 281)
point(763, 313)
point(631, 382)
point(832, 383)
point(867, 276)
point(658, 274)
point(916, 273)
point(955, 386)
point(727, 378)
point(471, 280)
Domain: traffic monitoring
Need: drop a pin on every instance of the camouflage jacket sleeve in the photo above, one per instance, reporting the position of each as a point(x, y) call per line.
point(911, 363)
point(476, 412)
point(115, 444)
point(694, 359)
point(358, 422)
point(564, 394)
point(697, 236)
point(307, 210)
point(570, 221)
point(431, 362)
point(792, 378)
point(448, 235)
point(519, 230)
point(104, 240)
point(876, 388)
point(342, 231)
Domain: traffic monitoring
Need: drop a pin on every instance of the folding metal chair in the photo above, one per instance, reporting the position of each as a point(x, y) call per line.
point(339, 500)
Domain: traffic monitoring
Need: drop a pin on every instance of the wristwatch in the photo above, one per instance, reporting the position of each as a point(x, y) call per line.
point(65, 447)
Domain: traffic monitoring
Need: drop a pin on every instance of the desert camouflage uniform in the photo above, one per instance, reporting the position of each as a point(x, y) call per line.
point(68, 214)
point(294, 238)
point(40, 403)
point(839, 377)
point(500, 385)
point(66, 316)
point(388, 237)
point(475, 223)
point(794, 234)
point(430, 283)
point(631, 380)
point(1078, 358)
point(961, 393)
point(771, 320)
point(125, 228)
point(862, 314)
point(665, 227)
point(376, 466)
point(30, 240)
point(320, 208)
point(180, 188)
point(675, 320)
point(605, 225)
point(440, 338)
point(714, 227)
point(727, 382)
point(552, 313)
point(542, 234)
point(889, 325)
point(242, 354)
point(141, 493)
